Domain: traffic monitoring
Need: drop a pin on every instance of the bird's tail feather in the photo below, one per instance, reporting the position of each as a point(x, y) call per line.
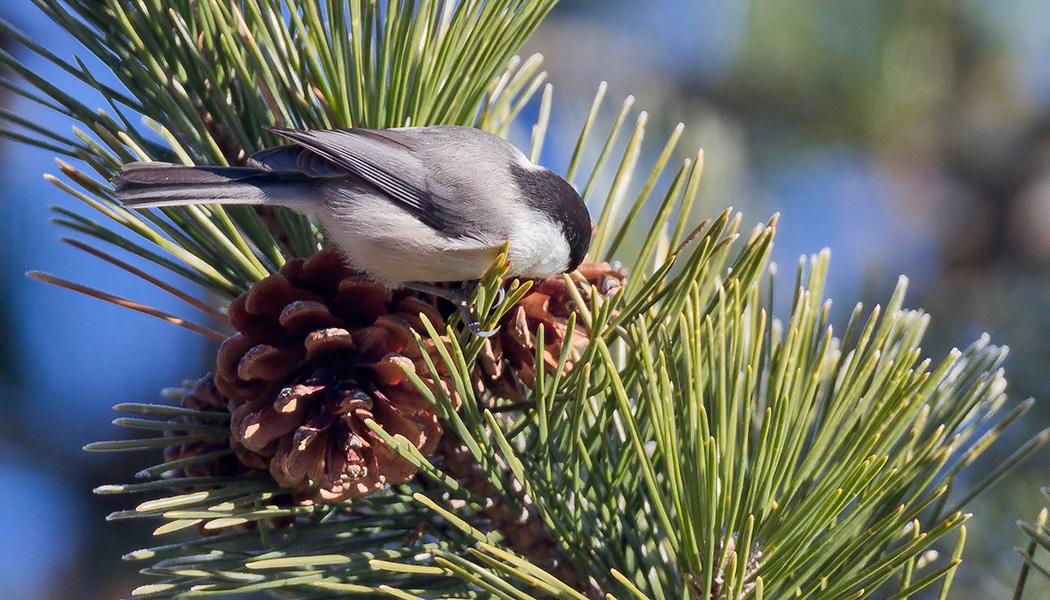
point(156, 184)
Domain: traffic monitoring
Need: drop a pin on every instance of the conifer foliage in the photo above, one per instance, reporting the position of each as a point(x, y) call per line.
point(643, 429)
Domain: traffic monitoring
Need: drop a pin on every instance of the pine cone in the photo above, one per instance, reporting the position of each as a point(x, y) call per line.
point(508, 361)
point(320, 350)
point(203, 396)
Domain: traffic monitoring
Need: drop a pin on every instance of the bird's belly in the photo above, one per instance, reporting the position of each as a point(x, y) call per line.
point(394, 248)
point(397, 262)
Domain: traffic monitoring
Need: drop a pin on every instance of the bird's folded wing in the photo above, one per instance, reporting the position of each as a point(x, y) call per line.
point(383, 159)
point(294, 158)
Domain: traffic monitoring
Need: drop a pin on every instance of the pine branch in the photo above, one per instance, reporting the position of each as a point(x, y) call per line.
point(647, 429)
point(1039, 543)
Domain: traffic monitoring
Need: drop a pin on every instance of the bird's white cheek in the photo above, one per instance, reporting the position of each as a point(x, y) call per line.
point(538, 249)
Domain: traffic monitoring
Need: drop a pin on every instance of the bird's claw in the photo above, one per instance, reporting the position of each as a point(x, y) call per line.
point(471, 321)
point(474, 327)
point(461, 298)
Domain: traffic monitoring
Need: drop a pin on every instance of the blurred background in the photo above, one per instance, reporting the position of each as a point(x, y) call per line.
point(909, 137)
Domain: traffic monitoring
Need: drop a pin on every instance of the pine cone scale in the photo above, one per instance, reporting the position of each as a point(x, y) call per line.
point(303, 316)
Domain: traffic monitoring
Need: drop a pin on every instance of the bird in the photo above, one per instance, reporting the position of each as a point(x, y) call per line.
point(410, 207)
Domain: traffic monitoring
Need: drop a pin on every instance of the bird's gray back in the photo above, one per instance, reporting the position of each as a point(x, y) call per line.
point(450, 177)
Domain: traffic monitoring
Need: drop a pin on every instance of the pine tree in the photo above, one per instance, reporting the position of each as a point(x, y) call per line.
point(645, 431)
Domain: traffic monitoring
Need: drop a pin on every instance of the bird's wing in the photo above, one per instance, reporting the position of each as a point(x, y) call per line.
point(382, 158)
point(297, 159)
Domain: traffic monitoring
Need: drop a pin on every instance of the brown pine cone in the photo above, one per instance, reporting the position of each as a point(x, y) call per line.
point(508, 361)
point(320, 350)
point(203, 396)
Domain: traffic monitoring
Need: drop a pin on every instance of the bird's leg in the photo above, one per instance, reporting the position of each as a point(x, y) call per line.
point(461, 298)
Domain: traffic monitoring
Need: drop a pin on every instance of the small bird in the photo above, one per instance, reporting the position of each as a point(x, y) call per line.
point(409, 207)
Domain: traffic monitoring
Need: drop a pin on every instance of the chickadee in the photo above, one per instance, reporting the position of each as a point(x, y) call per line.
point(407, 206)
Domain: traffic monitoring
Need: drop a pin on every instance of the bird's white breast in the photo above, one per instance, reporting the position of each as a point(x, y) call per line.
point(393, 247)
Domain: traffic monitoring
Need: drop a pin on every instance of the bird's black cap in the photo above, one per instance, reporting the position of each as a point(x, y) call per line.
point(553, 196)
